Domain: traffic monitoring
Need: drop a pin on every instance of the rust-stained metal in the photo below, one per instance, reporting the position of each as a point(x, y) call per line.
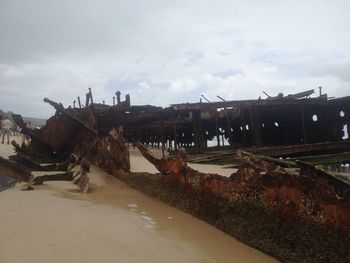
point(326, 195)
point(241, 123)
point(82, 178)
point(68, 165)
point(111, 153)
point(34, 165)
point(38, 142)
point(62, 132)
point(306, 149)
point(73, 131)
point(14, 170)
point(30, 153)
point(300, 94)
point(263, 204)
point(25, 161)
point(317, 153)
point(100, 134)
point(326, 159)
point(79, 103)
point(59, 107)
point(68, 176)
point(175, 167)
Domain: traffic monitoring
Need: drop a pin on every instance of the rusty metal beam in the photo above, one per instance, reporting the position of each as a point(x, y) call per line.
point(220, 98)
point(175, 167)
point(304, 148)
point(90, 92)
point(33, 134)
point(68, 176)
point(205, 98)
point(336, 158)
point(246, 103)
point(300, 94)
point(33, 165)
point(118, 96)
point(30, 164)
point(341, 186)
point(150, 157)
point(14, 170)
point(32, 154)
point(79, 103)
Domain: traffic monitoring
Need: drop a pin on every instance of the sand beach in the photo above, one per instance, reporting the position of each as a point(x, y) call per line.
point(112, 223)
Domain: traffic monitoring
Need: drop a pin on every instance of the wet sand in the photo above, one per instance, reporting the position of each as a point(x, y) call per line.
point(112, 223)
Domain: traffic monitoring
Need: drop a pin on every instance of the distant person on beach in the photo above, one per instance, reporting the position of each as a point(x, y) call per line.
point(6, 126)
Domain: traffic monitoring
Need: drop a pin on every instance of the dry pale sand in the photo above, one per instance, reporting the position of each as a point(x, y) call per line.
point(112, 223)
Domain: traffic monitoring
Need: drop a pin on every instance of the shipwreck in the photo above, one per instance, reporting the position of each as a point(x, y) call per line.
point(281, 199)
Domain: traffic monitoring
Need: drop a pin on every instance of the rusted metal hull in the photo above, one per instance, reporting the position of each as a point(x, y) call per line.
point(260, 192)
point(296, 217)
point(325, 197)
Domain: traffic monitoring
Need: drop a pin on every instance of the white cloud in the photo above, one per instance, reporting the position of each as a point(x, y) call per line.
point(168, 52)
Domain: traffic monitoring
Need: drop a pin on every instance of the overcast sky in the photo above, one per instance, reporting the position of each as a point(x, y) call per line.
point(163, 52)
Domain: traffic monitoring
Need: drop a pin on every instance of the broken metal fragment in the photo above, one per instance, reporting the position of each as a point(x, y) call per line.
point(14, 170)
point(68, 176)
point(59, 107)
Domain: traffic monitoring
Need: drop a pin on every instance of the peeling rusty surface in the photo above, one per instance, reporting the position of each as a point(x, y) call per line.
point(312, 193)
point(167, 166)
point(111, 153)
point(74, 131)
point(325, 197)
point(61, 132)
point(175, 167)
point(297, 217)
